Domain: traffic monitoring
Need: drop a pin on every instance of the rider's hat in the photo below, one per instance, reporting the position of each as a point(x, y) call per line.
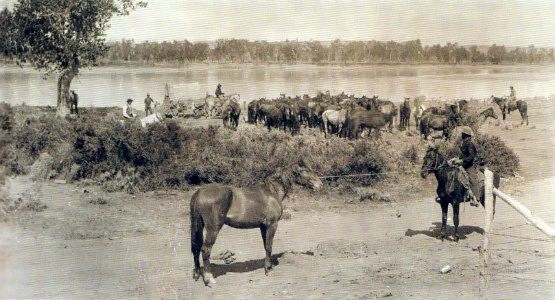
point(129, 100)
point(219, 84)
point(467, 130)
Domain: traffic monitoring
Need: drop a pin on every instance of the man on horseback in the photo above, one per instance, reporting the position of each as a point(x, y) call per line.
point(465, 162)
point(512, 96)
point(219, 91)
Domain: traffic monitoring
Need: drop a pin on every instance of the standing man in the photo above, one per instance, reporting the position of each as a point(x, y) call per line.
point(128, 110)
point(219, 91)
point(148, 104)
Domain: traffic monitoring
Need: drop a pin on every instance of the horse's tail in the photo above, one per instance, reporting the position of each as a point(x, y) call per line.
point(197, 225)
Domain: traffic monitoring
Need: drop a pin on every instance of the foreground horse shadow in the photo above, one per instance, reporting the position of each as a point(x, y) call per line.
point(244, 267)
point(435, 232)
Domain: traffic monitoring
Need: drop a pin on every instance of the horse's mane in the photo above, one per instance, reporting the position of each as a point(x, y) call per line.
point(282, 178)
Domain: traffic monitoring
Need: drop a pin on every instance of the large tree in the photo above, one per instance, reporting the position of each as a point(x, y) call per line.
point(63, 36)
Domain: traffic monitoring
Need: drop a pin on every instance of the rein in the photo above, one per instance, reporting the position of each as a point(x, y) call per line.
point(436, 166)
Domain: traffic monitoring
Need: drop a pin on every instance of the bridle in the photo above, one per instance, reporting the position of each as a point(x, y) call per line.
point(436, 166)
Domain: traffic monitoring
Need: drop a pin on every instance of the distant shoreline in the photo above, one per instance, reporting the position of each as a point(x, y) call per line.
point(132, 64)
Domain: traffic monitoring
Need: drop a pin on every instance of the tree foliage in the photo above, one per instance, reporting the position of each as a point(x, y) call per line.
point(57, 35)
point(337, 51)
point(61, 36)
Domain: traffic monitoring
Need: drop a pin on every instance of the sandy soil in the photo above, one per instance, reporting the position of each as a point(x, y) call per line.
point(138, 246)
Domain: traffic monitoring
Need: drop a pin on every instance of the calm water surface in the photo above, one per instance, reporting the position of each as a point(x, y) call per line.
point(109, 86)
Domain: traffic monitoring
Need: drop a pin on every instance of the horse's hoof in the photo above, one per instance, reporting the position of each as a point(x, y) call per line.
point(456, 238)
point(267, 269)
point(196, 275)
point(209, 279)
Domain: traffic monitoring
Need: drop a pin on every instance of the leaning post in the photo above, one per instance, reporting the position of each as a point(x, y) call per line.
point(484, 254)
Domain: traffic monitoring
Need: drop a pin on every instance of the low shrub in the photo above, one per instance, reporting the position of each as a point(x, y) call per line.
point(491, 151)
point(496, 155)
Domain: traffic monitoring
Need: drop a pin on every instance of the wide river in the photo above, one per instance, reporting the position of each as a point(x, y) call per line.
point(110, 86)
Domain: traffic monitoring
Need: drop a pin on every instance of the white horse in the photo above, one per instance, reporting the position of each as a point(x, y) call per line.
point(336, 118)
point(418, 111)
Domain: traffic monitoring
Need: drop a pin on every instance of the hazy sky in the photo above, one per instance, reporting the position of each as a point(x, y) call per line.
point(510, 22)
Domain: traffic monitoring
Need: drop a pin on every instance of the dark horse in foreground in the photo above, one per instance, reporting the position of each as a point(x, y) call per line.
point(259, 206)
point(449, 188)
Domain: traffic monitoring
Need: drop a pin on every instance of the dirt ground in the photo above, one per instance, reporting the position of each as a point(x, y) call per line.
point(88, 244)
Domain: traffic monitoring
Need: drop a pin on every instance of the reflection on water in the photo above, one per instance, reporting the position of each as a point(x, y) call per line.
point(109, 86)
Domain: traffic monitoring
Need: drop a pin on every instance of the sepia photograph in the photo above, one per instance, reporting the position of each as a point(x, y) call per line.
point(287, 149)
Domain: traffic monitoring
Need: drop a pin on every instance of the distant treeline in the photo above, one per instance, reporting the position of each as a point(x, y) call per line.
point(244, 51)
point(337, 51)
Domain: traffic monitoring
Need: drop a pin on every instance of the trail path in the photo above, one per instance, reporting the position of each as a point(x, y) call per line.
point(139, 247)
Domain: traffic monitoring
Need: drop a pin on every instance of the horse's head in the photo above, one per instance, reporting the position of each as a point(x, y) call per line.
point(431, 162)
point(307, 178)
point(489, 113)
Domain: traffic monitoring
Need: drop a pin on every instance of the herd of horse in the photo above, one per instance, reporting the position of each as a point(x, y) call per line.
point(261, 206)
point(348, 116)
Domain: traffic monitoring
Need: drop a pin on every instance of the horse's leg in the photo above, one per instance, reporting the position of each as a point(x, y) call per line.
point(456, 221)
point(268, 232)
point(339, 129)
point(211, 235)
point(444, 209)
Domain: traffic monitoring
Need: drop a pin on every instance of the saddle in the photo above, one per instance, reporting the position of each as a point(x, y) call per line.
point(463, 177)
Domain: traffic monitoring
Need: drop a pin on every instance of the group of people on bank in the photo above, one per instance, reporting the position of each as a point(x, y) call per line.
point(149, 102)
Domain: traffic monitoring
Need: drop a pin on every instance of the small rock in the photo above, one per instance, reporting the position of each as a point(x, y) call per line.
point(398, 214)
point(388, 294)
point(445, 269)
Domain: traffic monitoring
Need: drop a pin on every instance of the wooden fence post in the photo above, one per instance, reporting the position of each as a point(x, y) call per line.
point(484, 254)
point(524, 211)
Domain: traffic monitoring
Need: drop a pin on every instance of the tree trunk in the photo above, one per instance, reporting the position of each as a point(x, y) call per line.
point(64, 83)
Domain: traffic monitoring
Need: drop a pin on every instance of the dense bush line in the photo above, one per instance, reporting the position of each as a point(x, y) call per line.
point(99, 147)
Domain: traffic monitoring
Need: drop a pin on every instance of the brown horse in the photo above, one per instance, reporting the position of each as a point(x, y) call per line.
point(259, 206)
point(360, 119)
point(404, 114)
point(449, 189)
point(432, 122)
point(502, 103)
point(487, 113)
point(522, 107)
point(72, 101)
point(231, 113)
